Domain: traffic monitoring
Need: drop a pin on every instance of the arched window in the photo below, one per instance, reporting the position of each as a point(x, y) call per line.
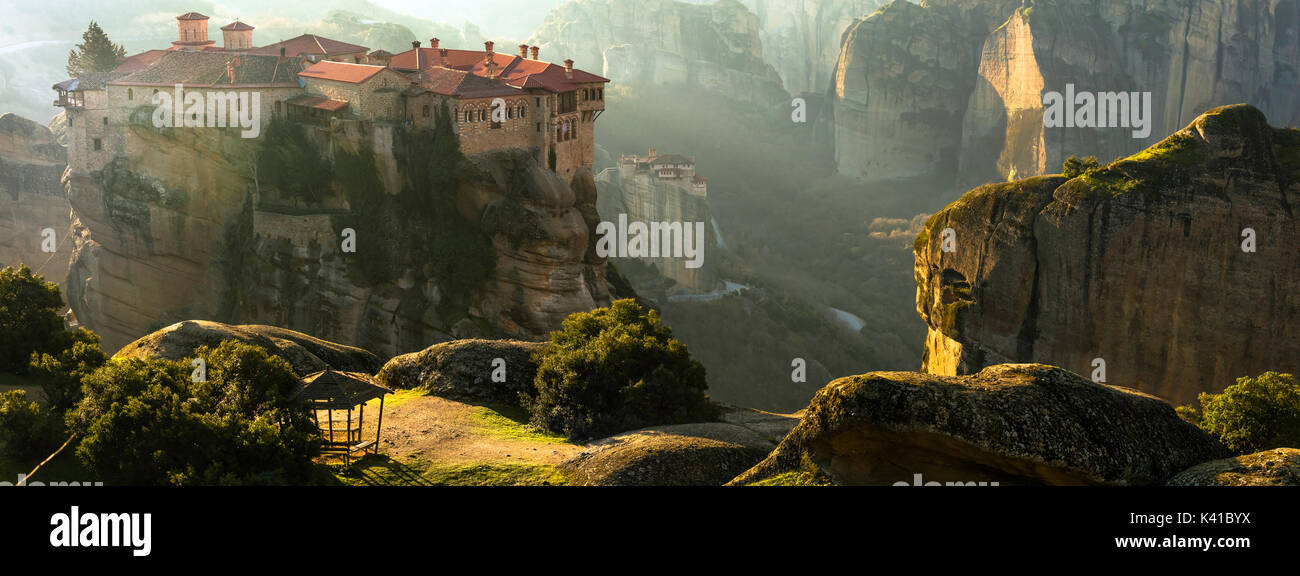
point(130, 94)
point(522, 111)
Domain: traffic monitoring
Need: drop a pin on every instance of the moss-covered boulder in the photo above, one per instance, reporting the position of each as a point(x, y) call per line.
point(305, 353)
point(1011, 424)
point(707, 454)
point(1276, 467)
point(465, 370)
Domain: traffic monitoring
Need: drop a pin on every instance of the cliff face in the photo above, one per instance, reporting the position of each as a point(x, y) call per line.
point(801, 38)
point(712, 46)
point(983, 67)
point(900, 86)
point(1142, 263)
point(1190, 56)
point(186, 227)
point(31, 198)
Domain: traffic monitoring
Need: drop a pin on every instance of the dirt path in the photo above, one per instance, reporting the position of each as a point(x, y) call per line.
point(450, 432)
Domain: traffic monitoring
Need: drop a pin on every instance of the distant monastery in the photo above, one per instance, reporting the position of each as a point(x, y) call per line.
point(550, 109)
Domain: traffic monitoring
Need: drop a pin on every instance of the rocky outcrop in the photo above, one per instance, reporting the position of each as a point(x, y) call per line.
point(1011, 424)
point(1277, 467)
point(714, 47)
point(955, 89)
point(305, 353)
point(1174, 269)
point(465, 370)
point(706, 454)
point(184, 226)
point(33, 206)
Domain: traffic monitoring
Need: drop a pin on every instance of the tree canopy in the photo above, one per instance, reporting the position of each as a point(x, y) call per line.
point(95, 53)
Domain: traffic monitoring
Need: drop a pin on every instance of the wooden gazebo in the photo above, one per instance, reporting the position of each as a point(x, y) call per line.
point(329, 391)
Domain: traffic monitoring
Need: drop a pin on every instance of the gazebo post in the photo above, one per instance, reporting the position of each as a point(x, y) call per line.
point(379, 426)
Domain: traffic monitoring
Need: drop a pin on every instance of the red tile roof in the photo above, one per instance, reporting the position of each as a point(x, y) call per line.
point(342, 72)
point(511, 69)
point(236, 25)
point(191, 16)
point(460, 83)
point(309, 44)
point(137, 62)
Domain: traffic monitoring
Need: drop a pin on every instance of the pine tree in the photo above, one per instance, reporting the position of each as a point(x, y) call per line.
point(96, 53)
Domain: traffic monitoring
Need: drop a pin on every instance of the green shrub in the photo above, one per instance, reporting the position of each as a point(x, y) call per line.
point(615, 369)
point(26, 430)
point(29, 318)
point(61, 373)
point(1074, 167)
point(148, 422)
point(1254, 414)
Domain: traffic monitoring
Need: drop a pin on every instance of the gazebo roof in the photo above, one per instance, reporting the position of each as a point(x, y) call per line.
point(336, 389)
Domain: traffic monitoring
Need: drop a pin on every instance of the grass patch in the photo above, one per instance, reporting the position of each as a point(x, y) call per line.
point(511, 423)
point(384, 471)
point(397, 398)
point(794, 478)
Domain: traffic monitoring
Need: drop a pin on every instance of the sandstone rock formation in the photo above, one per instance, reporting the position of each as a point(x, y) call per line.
point(801, 38)
point(183, 227)
point(463, 370)
point(643, 197)
point(31, 198)
point(900, 88)
point(715, 46)
point(955, 88)
point(1191, 56)
point(1140, 264)
point(1277, 467)
point(1011, 424)
point(707, 454)
point(305, 353)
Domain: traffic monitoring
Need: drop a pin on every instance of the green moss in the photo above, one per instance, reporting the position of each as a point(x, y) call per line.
point(794, 478)
point(948, 316)
point(510, 422)
point(922, 239)
point(1179, 148)
point(381, 470)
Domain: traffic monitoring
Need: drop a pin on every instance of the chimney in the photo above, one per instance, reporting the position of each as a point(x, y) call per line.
point(415, 45)
point(230, 71)
point(535, 51)
point(568, 68)
point(523, 51)
point(488, 47)
point(442, 56)
point(433, 43)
